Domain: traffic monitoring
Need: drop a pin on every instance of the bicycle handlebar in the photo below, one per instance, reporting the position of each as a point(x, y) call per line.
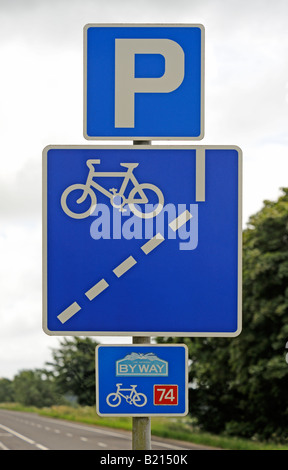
point(91, 162)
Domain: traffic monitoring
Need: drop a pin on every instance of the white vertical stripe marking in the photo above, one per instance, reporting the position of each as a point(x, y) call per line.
point(200, 174)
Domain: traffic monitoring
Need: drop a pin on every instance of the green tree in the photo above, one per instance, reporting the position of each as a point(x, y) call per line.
point(74, 369)
point(6, 391)
point(257, 356)
point(35, 388)
point(239, 385)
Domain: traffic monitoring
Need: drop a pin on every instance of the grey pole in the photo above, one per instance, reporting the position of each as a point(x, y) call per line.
point(141, 426)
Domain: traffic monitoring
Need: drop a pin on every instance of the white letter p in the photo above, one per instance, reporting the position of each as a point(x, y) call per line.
point(126, 84)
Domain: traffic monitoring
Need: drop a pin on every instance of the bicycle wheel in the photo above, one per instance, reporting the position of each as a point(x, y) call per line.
point(139, 399)
point(158, 206)
point(79, 189)
point(113, 399)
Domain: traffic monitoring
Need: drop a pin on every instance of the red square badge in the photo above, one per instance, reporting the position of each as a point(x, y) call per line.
point(165, 394)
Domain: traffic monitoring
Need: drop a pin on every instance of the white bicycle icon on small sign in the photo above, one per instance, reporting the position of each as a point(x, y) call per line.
point(133, 398)
point(117, 198)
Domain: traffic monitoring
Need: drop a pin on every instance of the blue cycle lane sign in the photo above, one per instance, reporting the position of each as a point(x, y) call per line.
point(142, 380)
point(142, 240)
point(143, 81)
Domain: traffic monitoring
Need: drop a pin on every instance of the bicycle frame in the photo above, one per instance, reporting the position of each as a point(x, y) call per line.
point(137, 195)
point(127, 175)
point(127, 397)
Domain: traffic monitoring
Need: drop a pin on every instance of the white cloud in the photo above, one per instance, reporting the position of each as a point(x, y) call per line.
point(265, 172)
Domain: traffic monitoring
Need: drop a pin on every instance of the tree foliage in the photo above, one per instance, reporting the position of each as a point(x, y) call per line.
point(6, 391)
point(71, 376)
point(35, 388)
point(239, 385)
point(74, 369)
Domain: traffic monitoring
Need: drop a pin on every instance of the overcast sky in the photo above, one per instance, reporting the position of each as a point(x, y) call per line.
point(41, 86)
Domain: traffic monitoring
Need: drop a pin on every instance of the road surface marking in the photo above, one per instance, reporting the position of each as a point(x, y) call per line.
point(3, 447)
point(125, 266)
point(102, 444)
point(167, 446)
point(97, 289)
point(152, 244)
point(23, 438)
point(69, 312)
point(39, 446)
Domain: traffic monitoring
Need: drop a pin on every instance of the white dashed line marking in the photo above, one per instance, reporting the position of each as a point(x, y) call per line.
point(23, 438)
point(69, 312)
point(123, 267)
point(152, 244)
point(181, 220)
point(97, 289)
point(102, 444)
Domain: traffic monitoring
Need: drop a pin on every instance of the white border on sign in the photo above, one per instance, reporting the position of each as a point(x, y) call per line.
point(135, 346)
point(140, 25)
point(201, 151)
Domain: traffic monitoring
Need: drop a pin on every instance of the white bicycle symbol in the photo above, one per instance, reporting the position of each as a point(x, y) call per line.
point(134, 398)
point(117, 199)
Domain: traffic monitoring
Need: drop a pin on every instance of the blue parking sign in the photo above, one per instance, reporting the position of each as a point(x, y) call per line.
point(142, 240)
point(142, 380)
point(143, 81)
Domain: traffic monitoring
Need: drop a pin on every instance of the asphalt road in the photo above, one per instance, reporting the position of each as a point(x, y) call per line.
point(28, 431)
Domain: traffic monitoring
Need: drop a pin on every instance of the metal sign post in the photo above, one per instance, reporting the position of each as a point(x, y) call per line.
point(141, 426)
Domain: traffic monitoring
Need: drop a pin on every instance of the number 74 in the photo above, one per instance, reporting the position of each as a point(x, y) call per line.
point(165, 394)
